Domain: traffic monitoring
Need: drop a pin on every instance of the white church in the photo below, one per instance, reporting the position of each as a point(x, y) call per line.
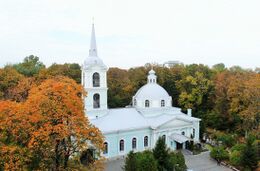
point(137, 127)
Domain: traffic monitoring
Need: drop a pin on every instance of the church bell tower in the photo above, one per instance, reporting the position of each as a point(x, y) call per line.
point(94, 80)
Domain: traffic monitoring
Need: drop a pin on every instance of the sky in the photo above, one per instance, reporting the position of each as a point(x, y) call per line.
point(131, 33)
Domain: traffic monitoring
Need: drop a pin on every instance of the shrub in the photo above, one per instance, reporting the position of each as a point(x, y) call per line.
point(219, 153)
point(249, 154)
point(176, 162)
point(235, 158)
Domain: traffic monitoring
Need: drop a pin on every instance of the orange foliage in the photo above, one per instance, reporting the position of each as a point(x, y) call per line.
point(50, 123)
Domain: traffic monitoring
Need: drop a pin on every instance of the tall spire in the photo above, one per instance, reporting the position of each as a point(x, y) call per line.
point(93, 46)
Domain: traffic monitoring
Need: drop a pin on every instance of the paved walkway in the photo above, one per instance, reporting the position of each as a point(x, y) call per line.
point(115, 165)
point(203, 162)
point(200, 162)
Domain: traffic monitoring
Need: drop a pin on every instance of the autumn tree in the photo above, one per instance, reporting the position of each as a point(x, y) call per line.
point(72, 71)
point(244, 98)
point(220, 116)
point(9, 78)
point(20, 92)
point(50, 126)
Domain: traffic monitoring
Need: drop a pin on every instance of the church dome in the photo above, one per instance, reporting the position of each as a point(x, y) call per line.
point(152, 94)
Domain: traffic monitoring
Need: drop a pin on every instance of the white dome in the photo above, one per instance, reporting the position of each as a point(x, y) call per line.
point(152, 95)
point(94, 60)
point(151, 92)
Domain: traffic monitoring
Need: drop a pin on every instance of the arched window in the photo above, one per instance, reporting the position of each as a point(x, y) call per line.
point(134, 143)
point(105, 148)
point(146, 141)
point(147, 103)
point(96, 80)
point(182, 133)
point(162, 103)
point(121, 145)
point(96, 101)
point(164, 138)
point(135, 102)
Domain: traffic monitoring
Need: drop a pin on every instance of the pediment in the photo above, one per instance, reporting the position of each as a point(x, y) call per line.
point(175, 123)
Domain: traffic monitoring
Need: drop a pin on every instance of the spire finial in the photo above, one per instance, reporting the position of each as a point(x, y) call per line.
point(93, 46)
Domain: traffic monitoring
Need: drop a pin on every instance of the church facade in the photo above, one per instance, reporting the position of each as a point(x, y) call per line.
point(139, 126)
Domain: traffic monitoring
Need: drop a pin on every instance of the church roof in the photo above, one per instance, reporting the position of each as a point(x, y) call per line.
point(124, 119)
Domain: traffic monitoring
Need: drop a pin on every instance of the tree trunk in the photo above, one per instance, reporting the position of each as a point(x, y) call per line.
point(57, 155)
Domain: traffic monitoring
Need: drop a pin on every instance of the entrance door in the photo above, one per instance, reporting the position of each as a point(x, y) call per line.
point(179, 146)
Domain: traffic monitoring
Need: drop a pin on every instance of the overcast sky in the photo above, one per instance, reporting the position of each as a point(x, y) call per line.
point(132, 32)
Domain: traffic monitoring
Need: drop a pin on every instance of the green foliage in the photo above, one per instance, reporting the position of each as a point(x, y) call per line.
point(238, 147)
point(161, 154)
point(219, 67)
point(131, 162)
point(195, 90)
point(146, 161)
point(249, 154)
point(219, 153)
point(226, 139)
point(160, 159)
point(176, 161)
point(121, 89)
point(235, 158)
point(30, 66)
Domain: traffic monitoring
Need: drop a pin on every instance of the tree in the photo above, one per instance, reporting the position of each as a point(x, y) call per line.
point(50, 125)
point(249, 154)
point(72, 71)
point(131, 162)
point(219, 67)
point(120, 88)
point(20, 92)
point(243, 94)
point(30, 66)
point(146, 161)
point(195, 90)
point(9, 78)
point(161, 154)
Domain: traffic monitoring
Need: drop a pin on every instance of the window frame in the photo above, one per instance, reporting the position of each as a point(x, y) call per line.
point(96, 79)
point(162, 103)
point(105, 152)
point(146, 141)
point(122, 148)
point(134, 143)
point(147, 103)
point(96, 102)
